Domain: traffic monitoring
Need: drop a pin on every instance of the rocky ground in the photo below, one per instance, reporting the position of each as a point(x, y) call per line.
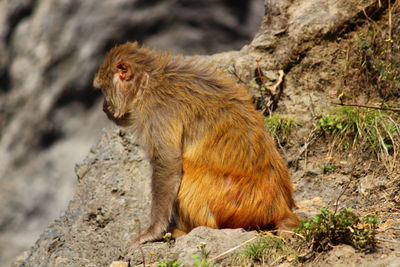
point(306, 40)
point(50, 115)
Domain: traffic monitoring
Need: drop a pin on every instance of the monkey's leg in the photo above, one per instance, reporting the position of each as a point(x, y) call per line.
point(196, 192)
point(209, 198)
point(166, 178)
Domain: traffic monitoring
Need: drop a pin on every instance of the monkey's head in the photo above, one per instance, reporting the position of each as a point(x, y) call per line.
point(122, 77)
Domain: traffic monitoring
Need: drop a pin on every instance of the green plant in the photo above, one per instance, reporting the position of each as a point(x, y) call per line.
point(328, 229)
point(329, 167)
point(172, 263)
point(264, 245)
point(280, 127)
point(374, 131)
point(199, 261)
point(202, 259)
point(167, 237)
point(268, 249)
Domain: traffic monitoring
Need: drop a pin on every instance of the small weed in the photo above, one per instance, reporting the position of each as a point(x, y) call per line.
point(199, 261)
point(257, 250)
point(202, 259)
point(373, 131)
point(327, 229)
point(169, 264)
point(329, 168)
point(168, 239)
point(280, 127)
point(268, 249)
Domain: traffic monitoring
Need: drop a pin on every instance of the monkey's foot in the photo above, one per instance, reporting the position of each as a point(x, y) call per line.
point(141, 239)
point(177, 233)
point(289, 222)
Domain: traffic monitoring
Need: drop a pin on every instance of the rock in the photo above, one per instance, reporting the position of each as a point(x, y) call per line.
point(345, 256)
point(119, 264)
point(219, 244)
point(290, 28)
point(49, 113)
point(110, 206)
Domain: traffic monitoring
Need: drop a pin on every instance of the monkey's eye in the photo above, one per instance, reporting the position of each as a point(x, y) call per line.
point(122, 66)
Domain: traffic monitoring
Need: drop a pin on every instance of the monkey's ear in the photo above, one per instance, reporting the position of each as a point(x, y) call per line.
point(124, 70)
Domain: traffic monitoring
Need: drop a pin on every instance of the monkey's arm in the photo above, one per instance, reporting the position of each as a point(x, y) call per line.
point(166, 159)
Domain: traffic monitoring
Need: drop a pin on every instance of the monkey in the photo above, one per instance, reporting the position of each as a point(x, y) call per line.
point(214, 163)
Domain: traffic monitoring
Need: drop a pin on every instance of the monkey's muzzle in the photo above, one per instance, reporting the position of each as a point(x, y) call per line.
point(106, 109)
point(119, 120)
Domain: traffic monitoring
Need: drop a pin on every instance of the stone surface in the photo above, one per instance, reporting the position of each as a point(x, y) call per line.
point(110, 204)
point(119, 264)
point(49, 113)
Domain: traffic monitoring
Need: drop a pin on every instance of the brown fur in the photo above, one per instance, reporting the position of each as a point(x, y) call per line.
point(214, 163)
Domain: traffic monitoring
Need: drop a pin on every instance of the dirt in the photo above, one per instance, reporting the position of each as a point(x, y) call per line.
point(360, 181)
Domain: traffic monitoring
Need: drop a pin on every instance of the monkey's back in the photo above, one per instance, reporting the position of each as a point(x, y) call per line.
point(233, 175)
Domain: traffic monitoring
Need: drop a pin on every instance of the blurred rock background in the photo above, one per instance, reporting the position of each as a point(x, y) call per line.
point(49, 114)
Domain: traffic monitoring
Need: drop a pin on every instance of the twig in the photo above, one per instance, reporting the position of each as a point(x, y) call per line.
point(275, 93)
point(388, 228)
point(251, 239)
point(260, 72)
point(280, 80)
point(276, 260)
point(340, 195)
point(390, 21)
point(312, 107)
point(232, 249)
point(288, 232)
point(280, 146)
point(371, 20)
point(387, 240)
point(143, 258)
point(234, 72)
point(304, 149)
point(391, 8)
point(365, 106)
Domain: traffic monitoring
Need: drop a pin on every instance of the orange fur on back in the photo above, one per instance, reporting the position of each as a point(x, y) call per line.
point(235, 178)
